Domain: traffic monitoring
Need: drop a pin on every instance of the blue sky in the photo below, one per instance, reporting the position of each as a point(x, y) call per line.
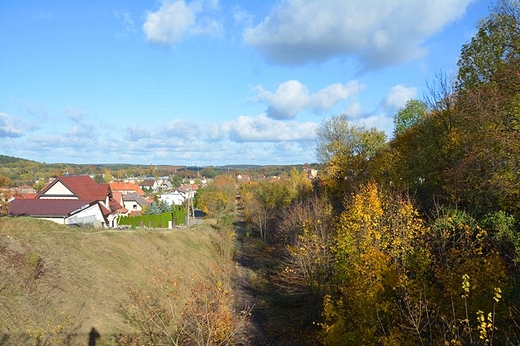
point(209, 82)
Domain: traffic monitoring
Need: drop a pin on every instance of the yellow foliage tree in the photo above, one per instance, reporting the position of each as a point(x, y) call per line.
point(377, 235)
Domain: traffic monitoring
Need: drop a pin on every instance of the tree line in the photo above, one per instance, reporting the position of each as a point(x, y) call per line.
point(413, 240)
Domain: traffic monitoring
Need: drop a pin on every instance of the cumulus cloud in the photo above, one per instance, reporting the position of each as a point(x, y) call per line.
point(246, 139)
point(381, 122)
point(398, 96)
point(263, 129)
point(74, 113)
point(378, 33)
point(289, 99)
point(175, 19)
point(9, 126)
point(241, 16)
point(292, 97)
point(354, 110)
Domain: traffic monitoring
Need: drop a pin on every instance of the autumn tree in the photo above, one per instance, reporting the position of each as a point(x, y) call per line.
point(461, 248)
point(376, 245)
point(308, 235)
point(485, 176)
point(107, 177)
point(346, 152)
point(5, 182)
point(218, 198)
point(299, 185)
point(262, 201)
point(418, 158)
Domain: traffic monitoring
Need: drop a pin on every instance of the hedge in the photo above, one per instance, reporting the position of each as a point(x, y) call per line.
point(153, 220)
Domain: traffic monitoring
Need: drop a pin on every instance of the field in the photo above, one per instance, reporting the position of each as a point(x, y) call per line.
point(62, 285)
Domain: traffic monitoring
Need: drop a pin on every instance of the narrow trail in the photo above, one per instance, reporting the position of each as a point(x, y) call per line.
point(253, 333)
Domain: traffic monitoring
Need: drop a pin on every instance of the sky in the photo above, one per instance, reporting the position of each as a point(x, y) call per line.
point(213, 82)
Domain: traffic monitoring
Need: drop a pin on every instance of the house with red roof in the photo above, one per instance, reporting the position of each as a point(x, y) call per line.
point(126, 188)
point(72, 200)
point(149, 185)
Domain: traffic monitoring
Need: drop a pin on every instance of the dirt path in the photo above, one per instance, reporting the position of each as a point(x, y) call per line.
point(249, 298)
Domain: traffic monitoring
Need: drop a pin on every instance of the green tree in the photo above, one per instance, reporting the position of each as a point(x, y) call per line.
point(98, 178)
point(176, 180)
point(496, 42)
point(418, 159)
point(208, 172)
point(409, 115)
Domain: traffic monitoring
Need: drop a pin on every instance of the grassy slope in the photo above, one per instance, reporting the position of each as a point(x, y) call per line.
point(56, 280)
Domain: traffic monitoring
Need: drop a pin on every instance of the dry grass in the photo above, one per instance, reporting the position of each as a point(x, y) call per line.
point(57, 283)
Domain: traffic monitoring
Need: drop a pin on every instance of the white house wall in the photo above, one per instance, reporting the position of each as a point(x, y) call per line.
point(59, 220)
point(129, 205)
point(90, 216)
point(174, 198)
point(60, 191)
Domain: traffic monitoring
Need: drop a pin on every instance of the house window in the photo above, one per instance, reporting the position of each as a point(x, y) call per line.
point(135, 206)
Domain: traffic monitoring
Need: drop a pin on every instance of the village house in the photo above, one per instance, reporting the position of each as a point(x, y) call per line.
point(164, 184)
point(72, 200)
point(173, 198)
point(126, 187)
point(188, 190)
point(311, 173)
point(180, 195)
point(134, 203)
point(149, 185)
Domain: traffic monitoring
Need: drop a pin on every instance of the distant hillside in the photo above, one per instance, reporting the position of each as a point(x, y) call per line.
point(10, 159)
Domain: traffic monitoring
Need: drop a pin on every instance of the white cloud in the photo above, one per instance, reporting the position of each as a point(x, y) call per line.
point(382, 122)
point(378, 33)
point(329, 96)
point(9, 126)
point(398, 96)
point(210, 27)
point(264, 129)
point(170, 23)
point(74, 113)
point(175, 19)
point(255, 140)
point(292, 97)
point(354, 110)
point(289, 99)
point(241, 16)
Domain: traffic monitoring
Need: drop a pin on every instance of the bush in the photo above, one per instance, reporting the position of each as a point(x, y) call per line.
point(154, 220)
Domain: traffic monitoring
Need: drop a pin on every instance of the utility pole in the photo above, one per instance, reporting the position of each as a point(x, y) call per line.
point(188, 209)
point(189, 204)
